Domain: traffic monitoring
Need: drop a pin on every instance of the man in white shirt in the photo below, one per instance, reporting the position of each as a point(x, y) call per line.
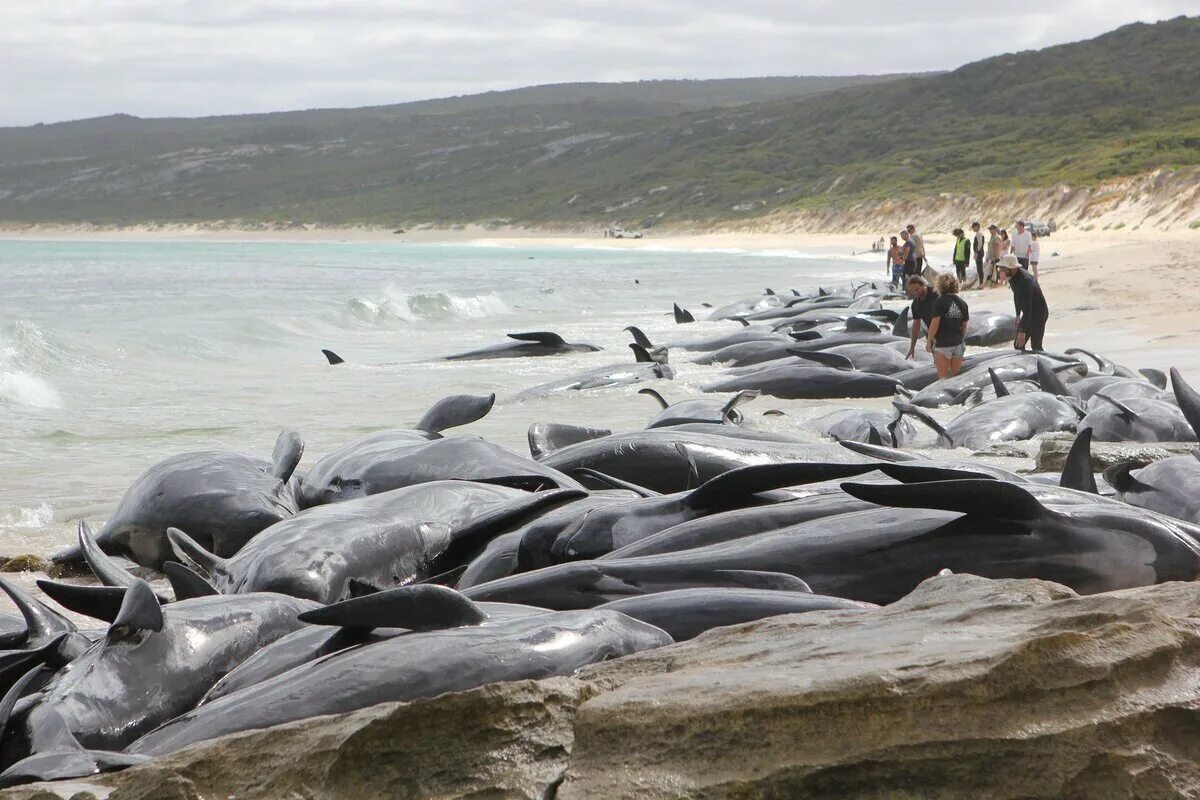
point(1021, 242)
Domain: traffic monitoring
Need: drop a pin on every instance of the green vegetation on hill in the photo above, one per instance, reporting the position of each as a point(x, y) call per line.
point(1120, 104)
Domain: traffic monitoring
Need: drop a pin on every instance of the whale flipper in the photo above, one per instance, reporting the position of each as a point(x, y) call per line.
point(612, 483)
point(98, 602)
point(289, 448)
point(187, 549)
point(547, 338)
point(977, 497)
point(456, 410)
point(420, 607)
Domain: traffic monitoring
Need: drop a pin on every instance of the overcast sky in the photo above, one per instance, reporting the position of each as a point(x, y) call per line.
point(68, 59)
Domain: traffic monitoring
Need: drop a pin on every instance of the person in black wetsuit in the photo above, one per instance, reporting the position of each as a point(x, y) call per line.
point(922, 310)
point(1032, 311)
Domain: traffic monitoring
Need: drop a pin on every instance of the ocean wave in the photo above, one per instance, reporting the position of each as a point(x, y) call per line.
point(18, 518)
point(396, 306)
point(24, 351)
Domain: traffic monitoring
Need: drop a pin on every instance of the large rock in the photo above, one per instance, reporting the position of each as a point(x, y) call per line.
point(1052, 453)
point(965, 688)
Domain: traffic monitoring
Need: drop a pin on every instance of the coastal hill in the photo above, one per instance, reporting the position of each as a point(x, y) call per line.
point(1082, 114)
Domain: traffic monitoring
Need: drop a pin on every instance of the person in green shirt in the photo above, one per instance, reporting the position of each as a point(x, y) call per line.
point(962, 254)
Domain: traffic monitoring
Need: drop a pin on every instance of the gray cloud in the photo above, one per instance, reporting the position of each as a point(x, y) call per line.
point(79, 58)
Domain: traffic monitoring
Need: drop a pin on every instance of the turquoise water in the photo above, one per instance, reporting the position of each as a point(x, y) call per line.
point(114, 355)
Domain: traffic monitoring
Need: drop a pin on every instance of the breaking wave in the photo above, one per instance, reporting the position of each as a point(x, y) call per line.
point(25, 351)
point(395, 306)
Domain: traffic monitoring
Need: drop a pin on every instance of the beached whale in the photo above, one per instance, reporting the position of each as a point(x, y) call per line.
point(678, 458)
point(1136, 419)
point(698, 410)
point(387, 460)
point(412, 667)
point(154, 663)
point(382, 540)
point(525, 345)
point(224, 498)
point(647, 367)
point(796, 382)
point(1005, 419)
point(873, 427)
point(687, 613)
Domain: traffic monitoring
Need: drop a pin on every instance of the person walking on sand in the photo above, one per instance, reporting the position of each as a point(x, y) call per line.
point(909, 251)
point(922, 310)
point(895, 262)
point(995, 245)
point(978, 248)
point(947, 328)
point(1019, 244)
point(1032, 311)
point(918, 246)
point(961, 255)
point(1035, 254)
point(1005, 249)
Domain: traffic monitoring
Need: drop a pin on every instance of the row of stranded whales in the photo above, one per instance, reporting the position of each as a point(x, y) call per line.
point(413, 561)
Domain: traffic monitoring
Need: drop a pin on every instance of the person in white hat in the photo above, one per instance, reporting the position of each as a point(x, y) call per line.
point(1032, 311)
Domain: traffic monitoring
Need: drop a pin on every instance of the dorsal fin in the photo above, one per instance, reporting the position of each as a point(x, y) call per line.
point(1120, 477)
point(930, 422)
point(744, 396)
point(98, 602)
point(909, 472)
point(873, 436)
point(1155, 376)
point(1077, 469)
point(639, 337)
point(547, 437)
point(15, 693)
point(1188, 399)
point(139, 611)
point(640, 354)
point(768, 291)
point(289, 448)
point(900, 326)
point(745, 322)
point(736, 485)
point(186, 548)
point(835, 360)
point(682, 315)
point(656, 396)
point(613, 483)
point(456, 410)
point(548, 338)
point(990, 498)
point(1127, 414)
point(860, 325)
point(821, 291)
point(41, 622)
point(1049, 381)
point(420, 607)
point(997, 384)
point(186, 582)
point(107, 571)
point(333, 358)
point(803, 336)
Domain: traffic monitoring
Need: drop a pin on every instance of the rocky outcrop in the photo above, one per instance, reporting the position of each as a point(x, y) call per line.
point(1053, 449)
point(965, 688)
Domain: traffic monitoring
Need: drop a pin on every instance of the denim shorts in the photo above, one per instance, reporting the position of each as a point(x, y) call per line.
point(958, 351)
point(897, 273)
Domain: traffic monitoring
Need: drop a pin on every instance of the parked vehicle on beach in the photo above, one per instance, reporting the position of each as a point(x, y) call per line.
point(621, 233)
point(1041, 228)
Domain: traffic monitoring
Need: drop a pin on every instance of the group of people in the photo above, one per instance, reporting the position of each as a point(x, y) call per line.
point(943, 315)
point(906, 255)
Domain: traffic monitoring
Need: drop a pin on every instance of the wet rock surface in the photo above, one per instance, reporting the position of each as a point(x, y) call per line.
point(1052, 453)
point(966, 688)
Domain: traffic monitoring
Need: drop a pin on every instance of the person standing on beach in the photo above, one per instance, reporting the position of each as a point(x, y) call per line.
point(909, 251)
point(1035, 253)
point(895, 262)
point(1019, 245)
point(961, 255)
point(978, 247)
point(1032, 311)
point(922, 310)
point(947, 327)
point(918, 246)
point(1005, 249)
point(994, 252)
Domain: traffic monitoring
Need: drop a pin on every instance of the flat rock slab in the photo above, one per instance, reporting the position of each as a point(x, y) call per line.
point(968, 687)
point(1052, 454)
